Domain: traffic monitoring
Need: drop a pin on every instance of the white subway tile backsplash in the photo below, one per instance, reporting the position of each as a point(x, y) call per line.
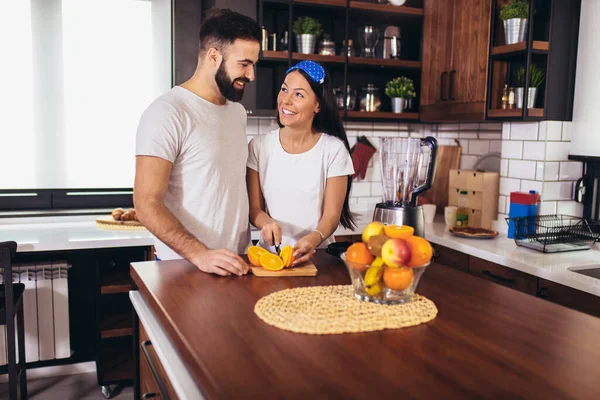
point(506, 131)
point(479, 147)
point(569, 208)
point(490, 135)
point(547, 208)
point(553, 130)
point(504, 167)
point(524, 130)
point(508, 185)
point(448, 127)
point(557, 191)
point(376, 189)
point(496, 146)
point(369, 200)
point(359, 126)
point(373, 174)
point(526, 186)
point(550, 171)
point(490, 126)
point(539, 171)
point(570, 171)
point(266, 125)
point(385, 133)
point(448, 135)
point(468, 162)
point(533, 150)
point(404, 127)
point(361, 188)
point(521, 169)
point(252, 127)
point(352, 132)
point(385, 126)
point(502, 204)
point(468, 127)
point(468, 135)
point(542, 129)
point(512, 149)
point(566, 131)
point(557, 151)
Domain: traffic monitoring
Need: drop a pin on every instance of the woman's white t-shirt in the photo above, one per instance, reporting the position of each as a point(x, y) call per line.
point(293, 185)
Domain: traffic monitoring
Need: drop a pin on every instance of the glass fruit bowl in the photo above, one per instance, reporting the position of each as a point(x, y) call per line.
point(382, 284)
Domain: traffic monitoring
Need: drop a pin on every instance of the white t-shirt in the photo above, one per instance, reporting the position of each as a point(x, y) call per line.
point(208, 148)
point(293, 185)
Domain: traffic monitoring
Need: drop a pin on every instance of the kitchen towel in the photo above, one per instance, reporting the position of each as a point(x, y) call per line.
point(361, 154)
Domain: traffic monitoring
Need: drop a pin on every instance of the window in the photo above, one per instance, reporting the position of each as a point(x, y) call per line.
point(79, 75)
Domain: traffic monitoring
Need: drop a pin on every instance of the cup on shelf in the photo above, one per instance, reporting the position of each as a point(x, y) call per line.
point(450, 216)
point(429, 212)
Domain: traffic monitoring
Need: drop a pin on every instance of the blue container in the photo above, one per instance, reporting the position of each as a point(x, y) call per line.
point(518, 211)
point(532, 214)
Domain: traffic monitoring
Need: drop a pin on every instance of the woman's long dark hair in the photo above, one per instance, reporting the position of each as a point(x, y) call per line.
point(328, 120)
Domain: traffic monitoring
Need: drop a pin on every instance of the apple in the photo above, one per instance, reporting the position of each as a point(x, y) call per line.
point(395, 253)
point(372, 229)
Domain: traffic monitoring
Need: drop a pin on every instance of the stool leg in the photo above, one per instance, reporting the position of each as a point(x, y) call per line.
point(22, 368)
point(11, 357)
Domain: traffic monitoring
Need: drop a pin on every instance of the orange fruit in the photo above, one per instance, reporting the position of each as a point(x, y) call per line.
point(398, 232)
point(271, 262)
point(398, 278)
point(420, 251)
point(359, 253)
point(287, 256)
point(254, 253)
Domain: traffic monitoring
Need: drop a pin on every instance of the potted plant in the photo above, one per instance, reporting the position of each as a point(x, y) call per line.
point(399, 90)
point(307, 30)
point(536, 78)
point(514, 15)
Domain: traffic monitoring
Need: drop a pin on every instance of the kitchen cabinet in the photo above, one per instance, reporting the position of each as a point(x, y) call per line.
point(550, 45)
point(153, 380)
point(568, 297)
point(503, 276)
point(451, 258)
point(455, 59)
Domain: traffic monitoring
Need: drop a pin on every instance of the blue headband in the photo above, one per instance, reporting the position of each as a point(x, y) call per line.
point(312, 69)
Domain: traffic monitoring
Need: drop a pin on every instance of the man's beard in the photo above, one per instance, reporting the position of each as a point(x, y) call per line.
point(225, 84)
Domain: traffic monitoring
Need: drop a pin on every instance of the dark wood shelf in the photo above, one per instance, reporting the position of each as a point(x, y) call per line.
point(387, 9)
point(319, 58)
point(383, 115)
point(515, 113)
point(509, 50)
point(384, 62)
point(116, 325)
point(331, 3)
point(274, 55)
point(116, 284)
point(118, 365)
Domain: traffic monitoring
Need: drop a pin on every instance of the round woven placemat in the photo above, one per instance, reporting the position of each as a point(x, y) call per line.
point(110, 227)
point(325, 310)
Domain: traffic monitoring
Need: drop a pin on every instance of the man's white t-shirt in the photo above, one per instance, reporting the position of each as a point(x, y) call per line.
point(293, 185)
point(208, 148)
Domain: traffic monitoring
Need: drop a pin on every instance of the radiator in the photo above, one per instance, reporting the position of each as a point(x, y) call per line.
point(45, 311)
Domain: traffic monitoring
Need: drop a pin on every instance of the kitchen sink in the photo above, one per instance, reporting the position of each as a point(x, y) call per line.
point(593, 271)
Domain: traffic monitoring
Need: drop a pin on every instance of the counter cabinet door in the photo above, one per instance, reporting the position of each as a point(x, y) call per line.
point(154, 383)
point(569, 297)
point(503, 275)
point(451, 258)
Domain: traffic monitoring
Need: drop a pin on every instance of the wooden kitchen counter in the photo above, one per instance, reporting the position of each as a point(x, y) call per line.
point(487, 341)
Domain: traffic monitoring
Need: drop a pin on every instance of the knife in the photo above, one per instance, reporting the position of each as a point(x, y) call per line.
point(276, 245)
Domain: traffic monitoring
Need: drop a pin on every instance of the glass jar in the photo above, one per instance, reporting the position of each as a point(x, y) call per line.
point(462, 214)
point(349, 48)
point(350, 97)
point(327, 46)
point(370, 101)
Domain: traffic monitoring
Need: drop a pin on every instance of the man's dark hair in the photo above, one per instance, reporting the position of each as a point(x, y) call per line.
point(222, 27)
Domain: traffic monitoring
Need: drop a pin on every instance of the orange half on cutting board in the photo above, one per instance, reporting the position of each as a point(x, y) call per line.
point(287, 256)
point(271, 262)
point(254, 253)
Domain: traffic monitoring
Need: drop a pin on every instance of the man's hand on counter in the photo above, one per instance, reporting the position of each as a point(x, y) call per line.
point(220, 262)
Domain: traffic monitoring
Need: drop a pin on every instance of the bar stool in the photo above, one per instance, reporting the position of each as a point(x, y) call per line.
point(11, 304)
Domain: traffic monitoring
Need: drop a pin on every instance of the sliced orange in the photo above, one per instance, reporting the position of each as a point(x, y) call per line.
point(254, 253)
point(271, 262)
point(398, 231)
point(287, 256)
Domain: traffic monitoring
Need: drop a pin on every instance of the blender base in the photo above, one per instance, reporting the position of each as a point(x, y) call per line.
point(390, 214)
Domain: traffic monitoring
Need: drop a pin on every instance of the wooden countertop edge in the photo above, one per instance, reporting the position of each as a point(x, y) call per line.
point(206, 385)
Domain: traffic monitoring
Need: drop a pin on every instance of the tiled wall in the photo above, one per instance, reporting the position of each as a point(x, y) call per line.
point(535, 157)
point(475, 139)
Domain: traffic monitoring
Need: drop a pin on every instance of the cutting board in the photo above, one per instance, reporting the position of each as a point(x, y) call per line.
point(448, 157)
point(108, 222)
point(308, 269)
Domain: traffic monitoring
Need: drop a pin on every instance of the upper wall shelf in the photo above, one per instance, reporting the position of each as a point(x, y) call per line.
point(332, 3)
point(387, 8)
point(376, 62)
point(509, 50)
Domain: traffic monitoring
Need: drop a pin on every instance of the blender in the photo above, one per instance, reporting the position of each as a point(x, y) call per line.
point(407, 170)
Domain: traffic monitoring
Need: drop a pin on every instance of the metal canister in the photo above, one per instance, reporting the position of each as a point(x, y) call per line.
point(265, 39)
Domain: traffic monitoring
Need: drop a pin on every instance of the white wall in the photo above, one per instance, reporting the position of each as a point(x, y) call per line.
point(586, 109)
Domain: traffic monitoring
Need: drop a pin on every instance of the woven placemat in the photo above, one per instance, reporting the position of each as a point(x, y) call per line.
point(120, 227)
point(325, 310)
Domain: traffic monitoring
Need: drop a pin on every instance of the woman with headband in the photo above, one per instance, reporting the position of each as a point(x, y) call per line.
point(299, 176)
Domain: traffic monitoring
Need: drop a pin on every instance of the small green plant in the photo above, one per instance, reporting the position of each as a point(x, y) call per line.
point(536, 78)
point(400, 87)
point(307, 25)
point(515, 9)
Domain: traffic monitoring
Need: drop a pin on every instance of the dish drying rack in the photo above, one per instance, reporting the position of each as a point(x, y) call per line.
point(555, 233)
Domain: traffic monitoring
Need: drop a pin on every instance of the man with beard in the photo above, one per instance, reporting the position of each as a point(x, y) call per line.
point(191, 150)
